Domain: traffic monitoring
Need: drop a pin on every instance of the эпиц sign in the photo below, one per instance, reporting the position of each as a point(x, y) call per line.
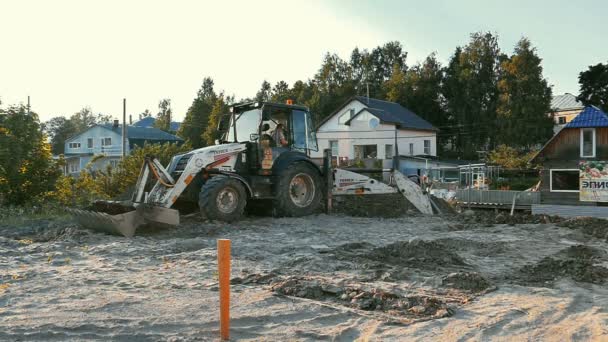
point(593, 181)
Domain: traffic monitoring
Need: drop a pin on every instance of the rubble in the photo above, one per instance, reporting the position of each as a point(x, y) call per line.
point(468, 281)
point(374, 299)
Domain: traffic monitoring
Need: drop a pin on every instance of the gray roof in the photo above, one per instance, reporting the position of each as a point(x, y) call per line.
point(143, 133)
point(394, 113)
point(565, 101)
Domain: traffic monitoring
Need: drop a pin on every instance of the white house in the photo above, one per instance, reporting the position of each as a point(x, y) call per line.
point(366, 128)
point(106, 139)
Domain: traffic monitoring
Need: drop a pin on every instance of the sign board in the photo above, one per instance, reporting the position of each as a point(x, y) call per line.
point(593, 181)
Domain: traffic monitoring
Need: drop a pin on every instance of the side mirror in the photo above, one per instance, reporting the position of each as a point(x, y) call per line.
point(254, 137)
point(265, 127)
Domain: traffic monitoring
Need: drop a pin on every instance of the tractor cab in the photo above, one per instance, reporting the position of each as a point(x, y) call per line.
point(272, 131)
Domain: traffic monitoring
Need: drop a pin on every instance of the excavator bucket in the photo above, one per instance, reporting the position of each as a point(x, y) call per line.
point(122, 219)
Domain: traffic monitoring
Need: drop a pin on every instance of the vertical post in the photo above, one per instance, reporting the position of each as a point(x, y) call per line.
point(329, 179)
point(29, 109)
point(223, 266)
point(124, 128)
point(470, 185)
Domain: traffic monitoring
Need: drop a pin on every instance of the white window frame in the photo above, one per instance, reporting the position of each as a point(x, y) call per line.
point(582, 146)
point(91, 141)
point(337, 147)
point(74, 145)
point(103, 140)
point(551, 180)
point(114, 163)
point(430, 145)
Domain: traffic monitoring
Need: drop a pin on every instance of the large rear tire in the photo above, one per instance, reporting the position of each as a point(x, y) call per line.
point(222, 198)
point(298, 191)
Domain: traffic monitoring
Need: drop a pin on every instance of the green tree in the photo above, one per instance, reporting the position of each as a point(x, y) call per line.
point(197, 116)
point(594, 86)
point(163, 118)
point(146, 113)
point(59, 129)
point(524, 100)
point(509, 157)
point(85, 118)
point(265, 92)
point(28, 170)
point(281, 92)
point(219, 108)
point(471, 94)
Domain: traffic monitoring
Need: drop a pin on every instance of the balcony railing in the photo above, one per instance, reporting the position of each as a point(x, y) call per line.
point(110, 150)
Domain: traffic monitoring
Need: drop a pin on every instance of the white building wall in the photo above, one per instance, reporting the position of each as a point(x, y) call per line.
point(360, 133)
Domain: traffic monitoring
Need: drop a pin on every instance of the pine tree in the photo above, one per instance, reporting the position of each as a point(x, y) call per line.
point(525, 99)
point(163, 118)
point(219, 108)
point(197, 116)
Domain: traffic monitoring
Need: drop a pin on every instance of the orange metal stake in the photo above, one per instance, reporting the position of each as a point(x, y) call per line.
point(223, 266)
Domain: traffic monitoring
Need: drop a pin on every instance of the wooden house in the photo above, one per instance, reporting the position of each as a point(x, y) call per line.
point(574, 162)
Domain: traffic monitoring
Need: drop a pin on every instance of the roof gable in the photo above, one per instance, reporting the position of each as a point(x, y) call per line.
point(387, 112)
point(589, 117)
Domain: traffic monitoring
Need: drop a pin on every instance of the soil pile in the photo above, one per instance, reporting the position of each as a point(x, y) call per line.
point(485, 217)
point(385, 205)
point(577, 262)
point(468, 281)
point(416, 306)
point(588, 225)
point(417, 253)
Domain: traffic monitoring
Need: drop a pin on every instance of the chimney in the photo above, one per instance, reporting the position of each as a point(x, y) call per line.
point(115, 123)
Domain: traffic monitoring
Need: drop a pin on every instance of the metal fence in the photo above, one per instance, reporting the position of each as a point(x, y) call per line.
point(497, 196)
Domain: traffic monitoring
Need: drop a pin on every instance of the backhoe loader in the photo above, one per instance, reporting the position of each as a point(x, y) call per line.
point(263, 155)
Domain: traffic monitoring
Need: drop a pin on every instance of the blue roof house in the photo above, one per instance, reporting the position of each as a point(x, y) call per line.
point(365, 128)
point(575, 164)
point(106, 139)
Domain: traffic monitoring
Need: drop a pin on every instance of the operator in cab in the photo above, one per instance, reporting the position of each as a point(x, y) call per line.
point(278, 136)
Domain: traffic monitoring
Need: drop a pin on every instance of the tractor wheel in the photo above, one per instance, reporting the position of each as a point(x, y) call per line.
point(299, 191)
point(222, 198)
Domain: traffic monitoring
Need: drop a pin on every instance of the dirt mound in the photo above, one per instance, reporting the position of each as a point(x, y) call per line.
point(468, 281)
point(470, 218)
point(588, 225)
point(577, 262)
point(479, 248)
point(417, 306)
point(417, 253)
point(385, 205)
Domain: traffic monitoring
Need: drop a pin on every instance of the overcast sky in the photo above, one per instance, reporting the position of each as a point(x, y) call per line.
point(71, 54)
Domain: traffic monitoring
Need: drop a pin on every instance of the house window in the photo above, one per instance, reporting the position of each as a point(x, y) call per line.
point(333, 145)
point(588, 142)
point(74, 167)
point(106, 141)
point(114, 163)
point(388, 151)
point(411, 149)
point(427, 147)
point(561, 120)
point(346, 116)
point(74, 145)
point(90, 143)
point(564, 180)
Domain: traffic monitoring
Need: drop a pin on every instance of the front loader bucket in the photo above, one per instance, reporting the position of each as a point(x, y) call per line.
point(123, 222)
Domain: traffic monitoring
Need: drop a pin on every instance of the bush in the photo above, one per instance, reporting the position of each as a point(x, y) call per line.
point(111, 183)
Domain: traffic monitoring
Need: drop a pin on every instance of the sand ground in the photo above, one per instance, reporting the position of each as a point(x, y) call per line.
point(322, 277)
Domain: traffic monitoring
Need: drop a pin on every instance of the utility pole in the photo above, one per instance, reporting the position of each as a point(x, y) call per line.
point(124, 128)
point(29, 110)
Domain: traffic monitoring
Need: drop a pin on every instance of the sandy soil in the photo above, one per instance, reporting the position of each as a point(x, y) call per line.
point(317, 278)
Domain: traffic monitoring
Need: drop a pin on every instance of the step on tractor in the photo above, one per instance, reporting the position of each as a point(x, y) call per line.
point(261, 158)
